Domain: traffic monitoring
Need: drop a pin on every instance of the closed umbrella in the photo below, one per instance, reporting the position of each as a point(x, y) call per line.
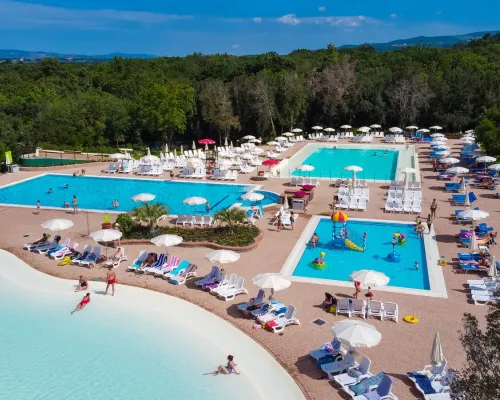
point(252, 196)
point(437, 351)
point(317, 128)
point(194, 201)
point(193, 146)
point(143, 197)
point(231, 145)
point(474, 247)
point(182, 150)
point(167, 241)
point(462, 186)
point(166, 148)
point(58, 224)
point(274, 282)
point(492, 271)
point(329, 130)
point(285, 203)
point(370, 278)
point(225, 141)
point(356, 333)
point(222, 256)
point(467, 200)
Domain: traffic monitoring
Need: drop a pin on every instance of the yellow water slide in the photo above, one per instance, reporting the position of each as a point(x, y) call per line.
point(353, 246)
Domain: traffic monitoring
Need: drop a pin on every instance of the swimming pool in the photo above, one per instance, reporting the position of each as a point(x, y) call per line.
point(137, 345)
point(97, 193)
point(340, 263)
point(330, 163)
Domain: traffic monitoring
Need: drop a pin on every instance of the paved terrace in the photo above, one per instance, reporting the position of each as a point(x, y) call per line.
point(404, 347)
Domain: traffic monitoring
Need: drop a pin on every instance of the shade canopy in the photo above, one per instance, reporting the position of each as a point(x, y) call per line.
point(272, 143)
point(475, 215)
point(317, 128)
point(143, 197)
point(375, 126)
point(340, 216)
point(58, 224)
point(222, 256)
point(194, 201)
point(457, 170)
point(305, 167)
point(166, 240)
point(207, 141)
point(436, 127)
point(356, 333)
point(370, 278)
point(412, 127)
point(495, 167)
point(437, 351)
point(346, 126)
point(353, 168)
point(449, 160)
point(395, 129)
point(329, 130)
point(255, 141)
point(424, 130)
point(271, 281)
point(288, 134)
point(364, 129)
point(252, 196)
point(248, 137)
point(270, 162)
point(486, 159)
point(106, 235)
point(296, 130)
point(435, 135)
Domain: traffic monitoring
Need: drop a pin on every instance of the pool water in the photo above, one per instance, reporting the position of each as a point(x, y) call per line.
point(341, 263)
point(330, 163)
point(96, 193)
point(136, 345)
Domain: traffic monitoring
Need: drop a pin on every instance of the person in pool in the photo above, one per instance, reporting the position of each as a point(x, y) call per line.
point(207, 206)
point(228, 369)
point(376, 153)
point(385, 153)
point(314, 240)
point(50, 190)
point(66, 204)
point(66, 186)
point(81, 305)
point(82, 284)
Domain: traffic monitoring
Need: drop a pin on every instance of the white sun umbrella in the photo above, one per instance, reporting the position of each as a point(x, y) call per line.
point(395, 129)
point(117, 156)
point(248, 137)
point(486, 159)
point(356, 333)
point(247, 156)
point(329, 130)
point(58, 224)
point(436, 127)
point(166, 148)
point(457, 170)
point(375, 126)
point(411, 127)
point(280, 138)
point(354, 169)
point(437, 356)
point(274, 282)
point(449, 160)
point(494, 167)
point(444, 153)
point(255, 141)
point(296, 130)
point(231, 145)
point(474, 246)
point(436, 135)
point(461, 189)
point(317, 128)
point(194, 201)
point(474, 215)
point(167, 241)
point(105, 235)
point(492, 272)
point(364, 129)
point(272, 143)
point(193, 146)
point(305, 168)
point(143, 197)
point(149, 157)
point(222, 256)
point(346, 127)
point(288, 134)
point(467, 200)
point(225, 141)
point(252, 196)
point(182, 150)
point(424, 130)
point(370, 278)
point(286, 206)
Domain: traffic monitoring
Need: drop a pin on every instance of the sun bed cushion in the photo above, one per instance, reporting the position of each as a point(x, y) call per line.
point(364, 386)
point(423, 382)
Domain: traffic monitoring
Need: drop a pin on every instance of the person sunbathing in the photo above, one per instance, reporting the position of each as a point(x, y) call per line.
point(229, 368)
point(43, 240)
point(149, 261)
point(116, 258)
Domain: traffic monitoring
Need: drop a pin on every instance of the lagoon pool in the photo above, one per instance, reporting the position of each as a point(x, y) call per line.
point(139, 344)
point(97, 193)
point(341, 263)
point(330, 163)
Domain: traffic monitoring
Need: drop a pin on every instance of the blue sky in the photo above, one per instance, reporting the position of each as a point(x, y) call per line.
point(166, 27)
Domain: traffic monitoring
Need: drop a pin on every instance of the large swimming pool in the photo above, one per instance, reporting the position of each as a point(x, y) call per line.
point(137, 345)
point(377, 164)
point(98, 193)
point(341, 263)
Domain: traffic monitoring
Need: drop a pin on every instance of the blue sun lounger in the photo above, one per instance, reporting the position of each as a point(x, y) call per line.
point(460, 198)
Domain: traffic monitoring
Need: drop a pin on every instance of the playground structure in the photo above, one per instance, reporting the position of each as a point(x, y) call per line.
point(397, 239)
point(342, 237)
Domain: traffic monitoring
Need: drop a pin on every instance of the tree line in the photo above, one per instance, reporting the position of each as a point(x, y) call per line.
point(133, 102)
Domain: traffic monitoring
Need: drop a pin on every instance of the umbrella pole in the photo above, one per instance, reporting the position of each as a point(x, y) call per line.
point(271, 295)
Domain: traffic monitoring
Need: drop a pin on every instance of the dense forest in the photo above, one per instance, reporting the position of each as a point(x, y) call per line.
point(135, 102)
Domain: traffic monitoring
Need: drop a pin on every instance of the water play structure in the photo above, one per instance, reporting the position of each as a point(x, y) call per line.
point(343, 237)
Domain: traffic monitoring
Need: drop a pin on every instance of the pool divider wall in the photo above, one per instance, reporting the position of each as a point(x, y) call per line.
point(434, 271)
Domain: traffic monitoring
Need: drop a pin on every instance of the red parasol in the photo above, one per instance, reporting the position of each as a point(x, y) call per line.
point(206, 141)
point(300, 194)
point(270, 162)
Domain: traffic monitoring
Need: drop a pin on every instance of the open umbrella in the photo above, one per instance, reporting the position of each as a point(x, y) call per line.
point(492, 271)
point(248, 137)
point(364, 129)
point(370, 278)
point(395, 129)
point(486, 159)
point(412, 127)
point(194, 201)
point(280, 138)
point(317, 128)
point(475, 215)
point(375, 126)
point(167, 241)
point(449, 160)
point(288, 134)
point(356, 333)
point(354, 169)
point(296, 130)
point(457, 170)
point(435, 135)
point(346, 127)
point(252, 196)
point(436, 127)
point(494, 167)
point(274, 282)
point(106, 235)
point(424, 130)
point(143, 197)
point(222, 256)
point(270, 162)
point(305, 168)
point(58, 224)
point(329, 130)
point(437, 351)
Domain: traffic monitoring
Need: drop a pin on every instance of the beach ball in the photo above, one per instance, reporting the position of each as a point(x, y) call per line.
point(339, 216)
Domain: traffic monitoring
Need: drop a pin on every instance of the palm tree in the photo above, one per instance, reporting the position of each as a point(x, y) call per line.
point(230, 216)
point(150, 213)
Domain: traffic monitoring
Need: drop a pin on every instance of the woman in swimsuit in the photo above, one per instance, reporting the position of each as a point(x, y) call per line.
point(82, 284)
point(229, 368)
point(110, 279)
point(81, 305)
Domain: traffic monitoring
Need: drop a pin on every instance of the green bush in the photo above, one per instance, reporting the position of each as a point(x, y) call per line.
point(241, 235)
point(126, 223)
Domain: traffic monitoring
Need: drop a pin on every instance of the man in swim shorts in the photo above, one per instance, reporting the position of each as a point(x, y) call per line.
point(110, 280)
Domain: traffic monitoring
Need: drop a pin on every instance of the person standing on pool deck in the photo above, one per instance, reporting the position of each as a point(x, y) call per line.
point(357, 285)
point(434, 206)
point(279, 222)
point(38, 207)
point(228, 369)
point(81, 305)
point(75, 204)
point(429, 223)
point(110, 279)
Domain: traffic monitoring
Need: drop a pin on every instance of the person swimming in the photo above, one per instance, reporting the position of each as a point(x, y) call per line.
point(50, 190)
point(314, 239)
point(376, 153)
point(385, 153)
point(66, 186)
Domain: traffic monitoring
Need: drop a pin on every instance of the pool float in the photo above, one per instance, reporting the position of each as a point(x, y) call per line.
point(319, 262)
point(400, 238)
point(442, 262)
point(411, 319)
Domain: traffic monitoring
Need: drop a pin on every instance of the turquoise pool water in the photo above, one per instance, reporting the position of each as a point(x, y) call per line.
point(330, 163)
point(98, 193)
point(341, 263)
point(136, 345)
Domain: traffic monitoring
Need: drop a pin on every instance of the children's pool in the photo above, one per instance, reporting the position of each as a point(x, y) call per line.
point(341, 263)
point(98, 193)
point(377, 164)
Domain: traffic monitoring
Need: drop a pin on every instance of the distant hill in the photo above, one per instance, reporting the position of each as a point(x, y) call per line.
point(432, 41)
point(38, 55)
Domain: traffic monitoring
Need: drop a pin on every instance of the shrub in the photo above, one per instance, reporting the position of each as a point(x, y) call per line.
point(126, 223)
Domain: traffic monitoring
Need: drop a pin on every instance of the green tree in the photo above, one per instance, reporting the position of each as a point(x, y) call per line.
point(488, 132)
point(230, 216)
point(150, 212)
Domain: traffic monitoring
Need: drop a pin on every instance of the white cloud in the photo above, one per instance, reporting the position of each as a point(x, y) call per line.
point(289, 19)
point(393, 15)
point(15, 13)
point(322, 8)
point(347, 21)
point(235, 46)
point(257, 20)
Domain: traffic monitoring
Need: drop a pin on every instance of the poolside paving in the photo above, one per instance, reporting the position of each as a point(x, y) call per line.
point(403, 348)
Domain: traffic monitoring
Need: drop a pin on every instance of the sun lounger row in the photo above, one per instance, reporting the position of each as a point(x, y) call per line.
point(352, 203)
point(300, 181)
point(201, 220)
point(226, 289)
point(228, 175)
point(374, 308)
point(198, 173)
point(410, 206)
point(345, 190)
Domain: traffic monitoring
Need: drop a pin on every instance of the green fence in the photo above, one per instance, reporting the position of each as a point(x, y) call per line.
point(48, 162)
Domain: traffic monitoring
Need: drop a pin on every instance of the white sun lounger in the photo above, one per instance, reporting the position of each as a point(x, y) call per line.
point(279, 324)
point(138, 261)
point(482, 300)
point(331, 369)
point(355, 375)
point(224, 285)
point(391, 311)
point(92, 257)
point(238, 288)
